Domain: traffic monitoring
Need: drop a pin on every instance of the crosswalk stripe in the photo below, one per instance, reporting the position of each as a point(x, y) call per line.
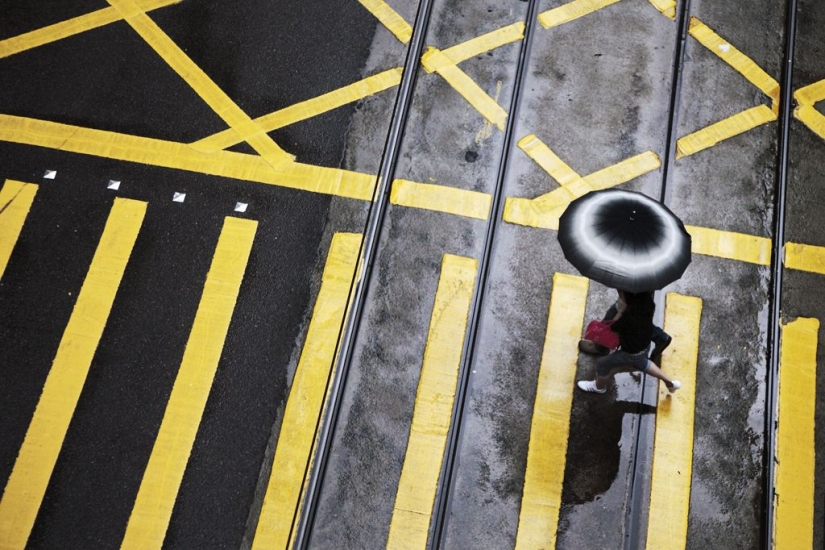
point(673, 440)
point(550, 427)
point(795, 436)
point(16, 200)
point(44, 438)
point(158, 489)
point(434, 399)
point(304, 405)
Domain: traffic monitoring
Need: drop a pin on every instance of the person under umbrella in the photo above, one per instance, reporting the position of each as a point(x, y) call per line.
point(634, 326)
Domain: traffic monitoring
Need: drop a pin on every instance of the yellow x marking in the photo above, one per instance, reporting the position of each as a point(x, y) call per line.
point(806, 98)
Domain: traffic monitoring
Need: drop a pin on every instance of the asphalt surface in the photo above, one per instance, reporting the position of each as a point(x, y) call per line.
point(596, 90)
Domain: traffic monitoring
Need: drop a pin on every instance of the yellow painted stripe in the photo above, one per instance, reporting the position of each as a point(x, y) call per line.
point(550, 427)
point(795, 436)
point(548, 160)
point(44, 438)
point(805, 257)
point(307, 109)
point(223, 106)
point(483, 44)
point(435, 60)
point(724, 129)
point(433, 404)
point(161, 480)
point(440, 198)
point(168, 154)
point(667, 7)
point(812, 118)
point(16, 200)
point(71, 27)
point(389, 18)
point(306, 398)
point(810, 94)
point(673, 441)
point(736, 59)
point(730, 245)
point(571, 11)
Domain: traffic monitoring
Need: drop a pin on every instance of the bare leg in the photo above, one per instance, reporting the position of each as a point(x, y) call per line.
point(656, 372)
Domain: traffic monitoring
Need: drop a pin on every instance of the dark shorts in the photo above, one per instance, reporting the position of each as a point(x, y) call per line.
point(620, 359)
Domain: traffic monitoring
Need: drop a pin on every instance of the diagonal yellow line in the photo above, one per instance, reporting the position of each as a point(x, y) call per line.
point(307, 109)
point(71, 27)
point(550, 425)
point(671, 471)
point(730, 245)
point(548, 160)
point(807, 97)
point(16, 200)
point(810, 94)
point(667, 7)
point(200, 82)
point(485, 43)
point(159, 487)
point(169, 154)
point(571, 11)
point(38, 455)
point(389, 18)
point(435, 60)
point(736, 59)
point(805, 257)
point(796, 436)
point(724, 129)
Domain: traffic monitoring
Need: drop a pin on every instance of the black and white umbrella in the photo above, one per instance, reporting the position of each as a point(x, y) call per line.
point(624, 240)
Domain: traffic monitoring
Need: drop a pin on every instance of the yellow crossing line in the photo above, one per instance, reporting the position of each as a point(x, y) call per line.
point(170, 154)
point(484, 43)
point(307, 109)
point(805, 257)
point(44, 438)
point(673, 440)
point(433, 404)
point(571, 11)
point(16, 200)
point(724, 129)
point(389, 18)
point(667, 7)
point(730, 245)
point(161, 480)
point(303, 408)
point(795, 436)
point(440, 198)
point(193, 75)
point(71, 27)
point(435, 61)
point(550, 427)
point(806, 98)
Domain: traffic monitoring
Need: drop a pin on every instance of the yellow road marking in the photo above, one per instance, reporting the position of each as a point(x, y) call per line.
point(550, 427)
point(161, 480)
point(724, 129)
point(193, 75)
point(667, 7)
point(673, 441)
point(71, 27)
point(435, 61)
point(433, 404)
point(795, 439)
point(306, 396)
point(16, 200)
point(544, 211)
point(807, 97)
point(730, 245)
point(736, 59)
point(484, 43)
point(307, 109)
point(168, 154)
point(440, 198)
point(571, 11)
point(389, 18)
point(805, 257)
point(44, 438)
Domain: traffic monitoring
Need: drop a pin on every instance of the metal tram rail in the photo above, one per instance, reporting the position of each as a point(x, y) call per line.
point(377, 213)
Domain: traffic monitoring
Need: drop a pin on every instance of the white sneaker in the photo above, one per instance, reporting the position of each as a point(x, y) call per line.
point(676, 385)
point(590, 386)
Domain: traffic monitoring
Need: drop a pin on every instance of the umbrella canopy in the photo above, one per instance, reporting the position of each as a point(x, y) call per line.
point(624, 240)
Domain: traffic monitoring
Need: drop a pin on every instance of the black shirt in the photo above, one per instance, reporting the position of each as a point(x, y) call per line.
point(635, 331)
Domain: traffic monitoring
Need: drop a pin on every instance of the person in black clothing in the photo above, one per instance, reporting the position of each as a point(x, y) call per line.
point(634, 325)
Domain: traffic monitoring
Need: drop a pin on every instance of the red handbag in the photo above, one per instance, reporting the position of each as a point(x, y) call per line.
point(601, 333)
